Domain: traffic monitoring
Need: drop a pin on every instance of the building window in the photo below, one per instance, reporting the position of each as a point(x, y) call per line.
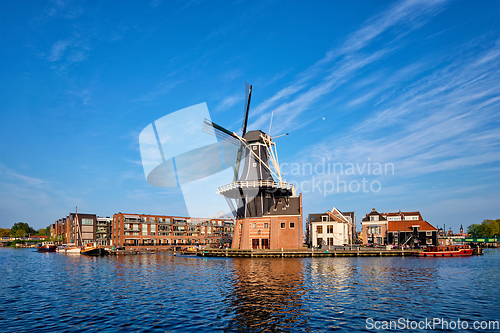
point(319, 229)
point(330, 241)
point(324, 218)
point(87, 221)
point(254, 225)
point(374, 218)
point(428, 233)
point(266, 225)
point(329, 229)
point(292, 225)
point(428, 241)
point(283, 225)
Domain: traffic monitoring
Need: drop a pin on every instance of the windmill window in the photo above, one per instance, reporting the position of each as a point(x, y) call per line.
point(255, 164)
point(268, 195)
point(254, 147)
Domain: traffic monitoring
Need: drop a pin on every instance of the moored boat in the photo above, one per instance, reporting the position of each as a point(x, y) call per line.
point(92, 249)
point(446, 251)
point(46, 247)
point(189, 251)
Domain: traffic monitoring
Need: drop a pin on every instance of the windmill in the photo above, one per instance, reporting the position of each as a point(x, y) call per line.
point(259, 187)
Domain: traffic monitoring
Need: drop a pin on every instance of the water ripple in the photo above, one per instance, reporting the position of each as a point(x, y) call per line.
point(160, 292)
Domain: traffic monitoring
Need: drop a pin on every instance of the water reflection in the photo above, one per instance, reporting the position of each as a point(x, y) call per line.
point(160, 292)
point(267, 294)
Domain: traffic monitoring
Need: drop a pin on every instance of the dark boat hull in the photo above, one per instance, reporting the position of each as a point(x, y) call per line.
point(46, 248)
point(94, 252)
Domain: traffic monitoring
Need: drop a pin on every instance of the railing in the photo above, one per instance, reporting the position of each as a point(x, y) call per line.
point(254, 184)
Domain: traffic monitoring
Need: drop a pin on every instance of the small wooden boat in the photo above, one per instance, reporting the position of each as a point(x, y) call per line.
point(92, 249)
point(189, 251)
point(446, 251)
point(46, 247)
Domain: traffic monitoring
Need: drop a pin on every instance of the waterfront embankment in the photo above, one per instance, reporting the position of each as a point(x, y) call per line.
point(299, 253)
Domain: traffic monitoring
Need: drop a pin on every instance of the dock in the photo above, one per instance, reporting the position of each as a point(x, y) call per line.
point(302, 253)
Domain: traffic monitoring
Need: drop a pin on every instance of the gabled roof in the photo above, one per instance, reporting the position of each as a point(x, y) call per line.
point(336, 215)
point(373, 212)
point(400, 226)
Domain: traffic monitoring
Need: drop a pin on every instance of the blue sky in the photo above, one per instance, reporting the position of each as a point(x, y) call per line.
point(412, 83)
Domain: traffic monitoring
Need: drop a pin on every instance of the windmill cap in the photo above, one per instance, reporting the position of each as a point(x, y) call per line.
point(253, 136)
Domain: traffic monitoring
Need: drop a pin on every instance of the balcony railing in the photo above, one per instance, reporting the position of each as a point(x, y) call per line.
point(255, 184)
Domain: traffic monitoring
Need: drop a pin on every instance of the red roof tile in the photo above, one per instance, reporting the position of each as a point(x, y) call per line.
point(400, 225)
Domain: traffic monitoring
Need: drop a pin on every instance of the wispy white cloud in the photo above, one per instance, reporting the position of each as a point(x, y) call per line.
point(400, 19)
point(230, 101)
point(161, 89)
point(66, 9)
point(58, 49)
point(7, 173)
point(447, 120)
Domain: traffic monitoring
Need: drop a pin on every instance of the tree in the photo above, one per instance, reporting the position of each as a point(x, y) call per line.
point(4, 232)
point(475, 230)
point(490, 228)
point(20, 229)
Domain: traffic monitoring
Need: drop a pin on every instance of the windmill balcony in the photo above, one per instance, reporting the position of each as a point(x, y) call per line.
point(254, 184)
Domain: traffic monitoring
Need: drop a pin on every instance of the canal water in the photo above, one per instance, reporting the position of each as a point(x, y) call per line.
point(165, 293)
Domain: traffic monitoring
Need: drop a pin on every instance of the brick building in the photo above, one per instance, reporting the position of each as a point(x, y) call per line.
point(146, 229)
point(400, 228)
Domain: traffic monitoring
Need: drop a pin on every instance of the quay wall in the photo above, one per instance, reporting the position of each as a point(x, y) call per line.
point(305, 253)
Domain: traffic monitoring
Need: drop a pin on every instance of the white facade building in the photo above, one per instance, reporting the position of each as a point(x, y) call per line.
point(329, 229)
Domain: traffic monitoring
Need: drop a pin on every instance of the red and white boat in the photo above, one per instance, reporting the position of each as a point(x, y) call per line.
point(446, 251)
point(46, 247)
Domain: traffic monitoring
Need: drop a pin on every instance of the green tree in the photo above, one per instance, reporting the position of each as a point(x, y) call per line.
point(490, 228)
point(20, 229)
point(475, 230)
point(4, 232)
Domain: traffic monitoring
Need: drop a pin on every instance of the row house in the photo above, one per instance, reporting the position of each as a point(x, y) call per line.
point(399, 228)
point(145, 229)
point(103, 231)
point(75, 228)
point(331, 228)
